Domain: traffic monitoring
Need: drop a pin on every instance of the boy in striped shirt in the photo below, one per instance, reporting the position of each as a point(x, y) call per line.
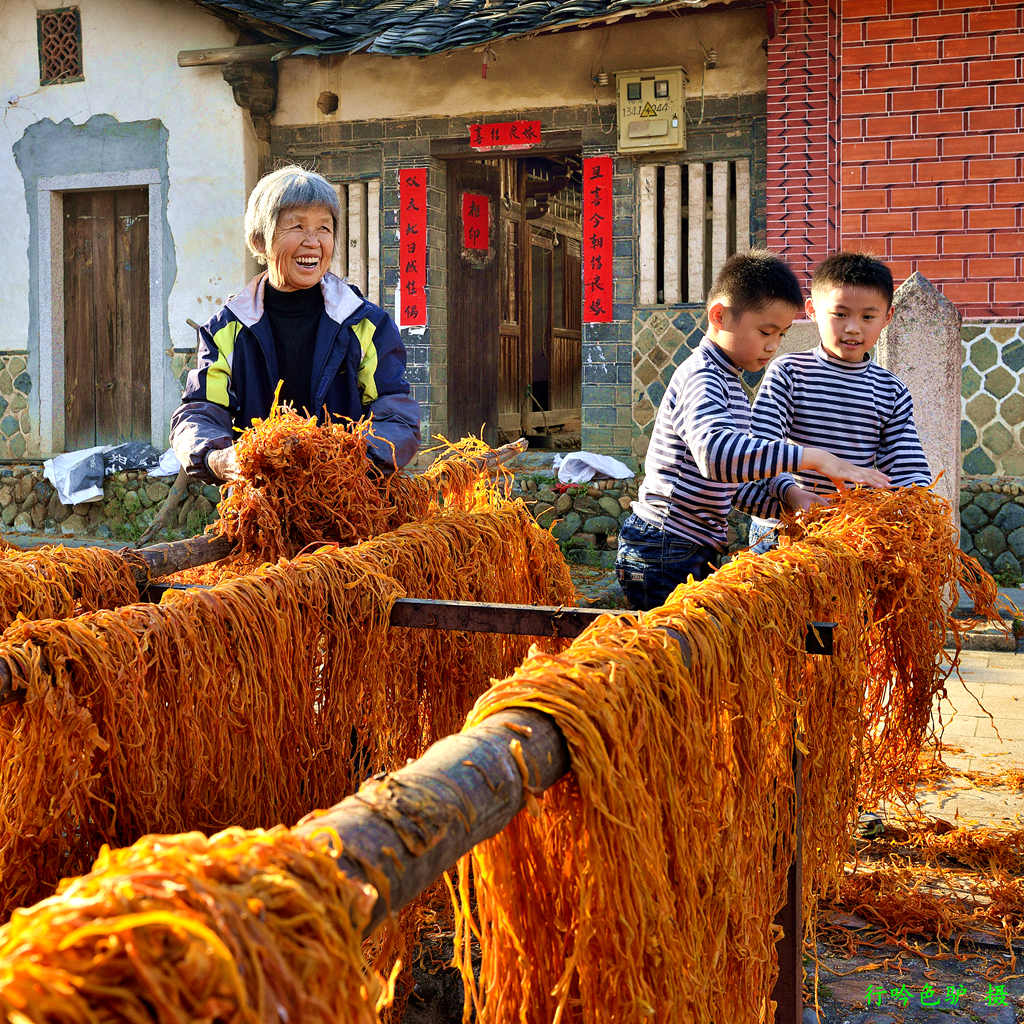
point(835, 396)
point(701, 449)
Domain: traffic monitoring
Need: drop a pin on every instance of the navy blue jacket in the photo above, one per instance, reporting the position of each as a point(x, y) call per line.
point(358, 370)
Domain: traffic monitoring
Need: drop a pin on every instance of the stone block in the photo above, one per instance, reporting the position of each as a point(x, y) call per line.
point(563, 503)
point(1016, 542)
point(610, 506)
point(157, 491)
point(211, 493)
point(991, 502)
point(990, 541)
point(601, 525)
point(74, 524)
point(1010, 517)
point(587, 505)
point(22, 523)
point(38, 515)
point(1007, 562)
point(568, 526)
point(972, 518)
point(977, 463)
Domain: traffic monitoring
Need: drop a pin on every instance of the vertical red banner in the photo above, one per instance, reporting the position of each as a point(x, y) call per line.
point(412, 247)
point(597, 239)
point(475, 221)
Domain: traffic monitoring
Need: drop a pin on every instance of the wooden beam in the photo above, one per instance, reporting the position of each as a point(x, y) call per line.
point(648, 235)
point(479, 617)
point(173, 556)
point(259, 53)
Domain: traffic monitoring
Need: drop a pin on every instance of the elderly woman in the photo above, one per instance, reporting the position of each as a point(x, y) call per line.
point(333, 352)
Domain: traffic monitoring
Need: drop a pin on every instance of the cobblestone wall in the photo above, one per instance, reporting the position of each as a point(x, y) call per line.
point(29, 505)
point(17, 440)
point(992, 524)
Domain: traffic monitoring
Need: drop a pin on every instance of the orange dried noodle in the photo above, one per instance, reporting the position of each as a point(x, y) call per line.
point(908, 544)
point(647, 886)
point(304, 483)
point(251, 703)
point(53, 582)
point(239, 928)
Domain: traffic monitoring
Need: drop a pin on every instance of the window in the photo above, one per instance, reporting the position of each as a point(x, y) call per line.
point(693, 216)
point(60, 46)
point(357, 243)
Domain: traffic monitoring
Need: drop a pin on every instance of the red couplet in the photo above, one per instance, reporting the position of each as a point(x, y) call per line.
point(597, 239)
point(412, 241)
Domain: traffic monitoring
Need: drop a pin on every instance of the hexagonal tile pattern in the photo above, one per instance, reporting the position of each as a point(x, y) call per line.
point(999, 382)
point(983, 353)
point(992, 399)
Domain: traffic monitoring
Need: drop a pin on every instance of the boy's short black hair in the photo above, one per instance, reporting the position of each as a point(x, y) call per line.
point(750, 280)
point(856, 269)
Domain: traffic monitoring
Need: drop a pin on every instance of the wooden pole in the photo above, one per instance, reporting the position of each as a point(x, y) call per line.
point(402, 831)
point(217, 55)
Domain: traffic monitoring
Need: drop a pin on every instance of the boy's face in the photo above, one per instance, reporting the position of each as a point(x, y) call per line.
point(752, 337)
point(850, 319)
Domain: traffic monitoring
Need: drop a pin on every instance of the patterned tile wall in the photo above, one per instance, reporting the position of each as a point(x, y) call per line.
point(662, 339)
point(992, 400)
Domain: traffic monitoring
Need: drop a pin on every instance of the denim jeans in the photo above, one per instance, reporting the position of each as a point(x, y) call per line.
point(651, 563)
point(764, 535)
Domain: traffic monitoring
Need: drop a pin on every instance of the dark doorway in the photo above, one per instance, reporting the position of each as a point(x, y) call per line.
point(106, 317)
point(525, 296)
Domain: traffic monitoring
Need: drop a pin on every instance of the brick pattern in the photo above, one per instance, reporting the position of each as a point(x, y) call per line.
point(802, 159)
point(932, 140)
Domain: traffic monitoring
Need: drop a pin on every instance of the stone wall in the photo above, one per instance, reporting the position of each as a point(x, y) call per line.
point(992, 525)
point(29, 505)
point(17, 439)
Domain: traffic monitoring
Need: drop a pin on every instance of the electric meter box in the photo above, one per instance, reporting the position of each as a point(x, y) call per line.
point(650, 110)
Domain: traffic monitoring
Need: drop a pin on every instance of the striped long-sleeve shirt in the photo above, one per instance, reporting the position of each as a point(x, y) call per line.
point(701, 450)
point(859, 411)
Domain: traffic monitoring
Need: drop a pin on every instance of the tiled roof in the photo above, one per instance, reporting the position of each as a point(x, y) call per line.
point(403, 27)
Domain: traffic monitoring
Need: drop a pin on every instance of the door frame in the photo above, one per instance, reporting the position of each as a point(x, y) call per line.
point(50, 278)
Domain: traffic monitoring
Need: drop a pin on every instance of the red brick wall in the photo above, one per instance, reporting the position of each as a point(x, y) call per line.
point(932, 144)
point(802, 124)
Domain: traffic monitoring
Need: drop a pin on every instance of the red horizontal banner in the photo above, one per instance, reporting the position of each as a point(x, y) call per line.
point(597, 239)
point(412, 242)
point(505, 135)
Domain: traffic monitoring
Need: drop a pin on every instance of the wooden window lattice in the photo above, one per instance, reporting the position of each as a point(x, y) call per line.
point(60, 46)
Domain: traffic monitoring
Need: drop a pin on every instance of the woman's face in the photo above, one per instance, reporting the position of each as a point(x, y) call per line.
point(301, 250)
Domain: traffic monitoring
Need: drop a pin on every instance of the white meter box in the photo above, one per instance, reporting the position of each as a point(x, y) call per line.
point(650, 110)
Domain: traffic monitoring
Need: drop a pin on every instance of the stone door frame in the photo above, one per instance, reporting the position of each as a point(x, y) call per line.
point(50, 206)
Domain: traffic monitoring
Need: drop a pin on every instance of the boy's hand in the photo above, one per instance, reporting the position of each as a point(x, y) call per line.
point(798, 499)
point(839, 471)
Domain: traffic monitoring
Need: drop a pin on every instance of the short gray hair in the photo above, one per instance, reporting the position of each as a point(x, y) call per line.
point(287, 188)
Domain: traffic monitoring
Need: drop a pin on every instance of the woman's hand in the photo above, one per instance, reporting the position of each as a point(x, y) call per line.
point(223, 463)
point(839, 471)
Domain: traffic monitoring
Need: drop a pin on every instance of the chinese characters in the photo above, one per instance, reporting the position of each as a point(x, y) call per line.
point(412, 247)
point(475, 221)
point(505, 135)
point(597, 239)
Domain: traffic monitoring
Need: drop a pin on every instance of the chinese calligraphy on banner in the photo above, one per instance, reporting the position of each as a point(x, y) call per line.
point(504, 135)
point(597, 239)
point(412, 240)
point(475, 221)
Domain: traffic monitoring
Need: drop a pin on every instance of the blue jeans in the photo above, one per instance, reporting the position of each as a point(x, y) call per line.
point(764, 535)
point(651, 563)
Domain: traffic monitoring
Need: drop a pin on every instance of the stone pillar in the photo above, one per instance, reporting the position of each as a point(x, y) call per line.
point(922, 347)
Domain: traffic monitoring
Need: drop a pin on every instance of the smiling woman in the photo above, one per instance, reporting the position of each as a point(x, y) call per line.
point(297, 325)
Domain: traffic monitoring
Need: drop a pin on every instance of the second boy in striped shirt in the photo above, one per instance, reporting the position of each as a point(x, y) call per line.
point(835, 395)
point(700, 448)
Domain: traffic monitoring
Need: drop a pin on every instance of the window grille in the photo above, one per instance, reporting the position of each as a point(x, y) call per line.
point(60, 46)
point(693, 216)
point(357, 244)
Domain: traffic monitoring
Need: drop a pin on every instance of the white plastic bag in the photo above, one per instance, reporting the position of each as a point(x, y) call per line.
point(581, 467)
point(77, 476)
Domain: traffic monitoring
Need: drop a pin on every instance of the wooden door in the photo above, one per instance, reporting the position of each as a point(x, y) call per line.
point(473, 306)
point(106, 317)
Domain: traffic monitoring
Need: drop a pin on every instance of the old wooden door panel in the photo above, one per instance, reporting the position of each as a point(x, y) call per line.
point(473, 308)
point(106, 325)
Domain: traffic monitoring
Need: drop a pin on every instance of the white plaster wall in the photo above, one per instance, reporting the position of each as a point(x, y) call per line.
point(130, 52)
point(547, 71)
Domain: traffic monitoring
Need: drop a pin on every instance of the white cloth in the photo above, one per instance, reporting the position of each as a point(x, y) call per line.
point(580, 467)
point(167, 466)
point(77, 476)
